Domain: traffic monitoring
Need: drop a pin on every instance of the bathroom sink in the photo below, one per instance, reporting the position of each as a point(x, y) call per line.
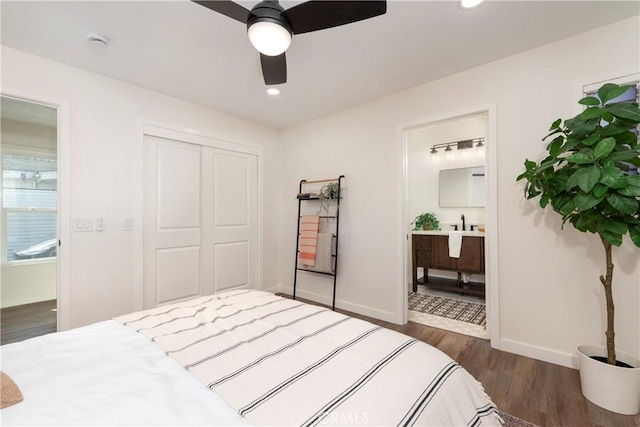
point(446, 232)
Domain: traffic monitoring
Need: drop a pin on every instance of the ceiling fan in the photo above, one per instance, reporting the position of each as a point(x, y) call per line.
point(270, 27)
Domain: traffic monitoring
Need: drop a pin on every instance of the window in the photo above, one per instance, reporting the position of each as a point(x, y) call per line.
point(29, 187)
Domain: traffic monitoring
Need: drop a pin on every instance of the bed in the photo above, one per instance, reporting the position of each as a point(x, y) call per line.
point(239, 358)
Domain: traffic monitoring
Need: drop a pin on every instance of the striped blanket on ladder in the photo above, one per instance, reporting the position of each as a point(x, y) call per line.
point(309, 225)
point(283, 362)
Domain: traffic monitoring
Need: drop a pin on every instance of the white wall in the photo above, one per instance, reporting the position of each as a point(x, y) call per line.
point(550, 299)
point(28, 283)
point(105, 127)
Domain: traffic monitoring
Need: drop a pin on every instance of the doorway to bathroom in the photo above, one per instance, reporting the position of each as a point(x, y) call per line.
point(446, 215)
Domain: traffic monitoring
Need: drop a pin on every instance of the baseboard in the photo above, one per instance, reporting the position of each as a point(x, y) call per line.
point(539, 353)
point(24, 301)
point(341, 304)
point(274, 289)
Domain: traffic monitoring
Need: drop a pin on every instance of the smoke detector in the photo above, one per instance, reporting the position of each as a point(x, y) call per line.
point(96, 39)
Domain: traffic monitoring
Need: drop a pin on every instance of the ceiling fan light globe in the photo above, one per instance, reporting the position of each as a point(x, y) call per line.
point(269, 38)
point(469, 4)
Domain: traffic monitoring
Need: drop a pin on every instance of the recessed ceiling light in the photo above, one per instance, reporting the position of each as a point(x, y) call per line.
point(273, 91)
point(469, 4)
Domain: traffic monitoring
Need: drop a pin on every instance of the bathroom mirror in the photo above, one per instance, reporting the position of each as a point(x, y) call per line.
point(462, 188)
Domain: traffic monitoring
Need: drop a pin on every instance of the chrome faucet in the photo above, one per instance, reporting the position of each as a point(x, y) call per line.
point(464, 227)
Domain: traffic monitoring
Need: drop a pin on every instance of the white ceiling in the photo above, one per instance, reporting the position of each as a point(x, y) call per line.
point(184, 50)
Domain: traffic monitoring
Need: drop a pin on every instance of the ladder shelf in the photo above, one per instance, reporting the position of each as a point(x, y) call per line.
point(333, 199)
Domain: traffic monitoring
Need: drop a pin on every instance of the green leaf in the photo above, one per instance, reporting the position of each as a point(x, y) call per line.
point(589, 179)
point(614, 239)
point(556, 124)
point(604, 147)
point(612, 231)
point(581, 127)
point(627, 138)
point(633, 189)
point(613, 226)
point(623, 204)
point(544, 200)
point(546, 164)
point(623, 155)
point(563, 204)
point(552, 133)
point(589, 100)
point(591, 113)
point(588, 219)
point(584, 178)
point(615, 128)
point(611, 91)
point(585, 201)
point(591, 140)
point(607, 116)
point(579, 158)
point(626, 111)
point(613, 177)
point(634, 233)
point(599, 190)
point(555, 145)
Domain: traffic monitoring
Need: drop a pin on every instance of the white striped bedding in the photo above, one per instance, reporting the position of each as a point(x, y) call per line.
point(283, 362)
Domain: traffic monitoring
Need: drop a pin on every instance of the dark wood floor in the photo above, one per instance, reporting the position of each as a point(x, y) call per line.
point(27, 321)
point(536, 391)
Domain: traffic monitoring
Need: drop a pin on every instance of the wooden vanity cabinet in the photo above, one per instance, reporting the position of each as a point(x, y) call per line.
point(432, 251)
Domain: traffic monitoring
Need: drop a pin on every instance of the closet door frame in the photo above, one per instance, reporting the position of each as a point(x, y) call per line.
point(190, 136)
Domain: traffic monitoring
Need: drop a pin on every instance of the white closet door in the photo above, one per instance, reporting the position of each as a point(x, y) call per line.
point(230, 216)
point(200, 220)
point(172, 220)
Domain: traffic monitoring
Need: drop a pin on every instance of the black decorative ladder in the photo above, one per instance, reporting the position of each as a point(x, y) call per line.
point(302, 198)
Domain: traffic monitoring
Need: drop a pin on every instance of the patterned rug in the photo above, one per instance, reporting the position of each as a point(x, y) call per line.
point(451, 308)
point(511, 421)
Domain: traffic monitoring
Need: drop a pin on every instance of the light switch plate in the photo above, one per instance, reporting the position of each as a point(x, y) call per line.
point(82, 224)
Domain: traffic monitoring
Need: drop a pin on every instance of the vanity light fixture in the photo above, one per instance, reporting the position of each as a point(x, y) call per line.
point(460, 145)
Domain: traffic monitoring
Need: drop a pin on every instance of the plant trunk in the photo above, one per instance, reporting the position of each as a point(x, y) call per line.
point(607, 282)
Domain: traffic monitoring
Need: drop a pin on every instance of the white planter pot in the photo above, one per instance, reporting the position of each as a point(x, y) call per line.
point(610, 387)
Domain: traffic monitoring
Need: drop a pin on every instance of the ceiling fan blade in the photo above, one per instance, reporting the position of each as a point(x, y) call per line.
point(274, 69)
point(227, 8)
point(318, 15)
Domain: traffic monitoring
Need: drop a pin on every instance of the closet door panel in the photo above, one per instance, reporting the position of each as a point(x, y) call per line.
point(172, 225)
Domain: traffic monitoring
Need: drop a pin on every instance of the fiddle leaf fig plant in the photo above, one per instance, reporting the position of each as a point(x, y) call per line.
point(590, 177)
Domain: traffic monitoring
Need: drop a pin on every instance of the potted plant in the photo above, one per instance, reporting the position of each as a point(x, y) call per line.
point(590, 177)
point(329, 191)
point(426, 221)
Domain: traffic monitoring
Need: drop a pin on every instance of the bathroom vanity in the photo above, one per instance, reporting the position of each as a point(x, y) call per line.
point(430, 250)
